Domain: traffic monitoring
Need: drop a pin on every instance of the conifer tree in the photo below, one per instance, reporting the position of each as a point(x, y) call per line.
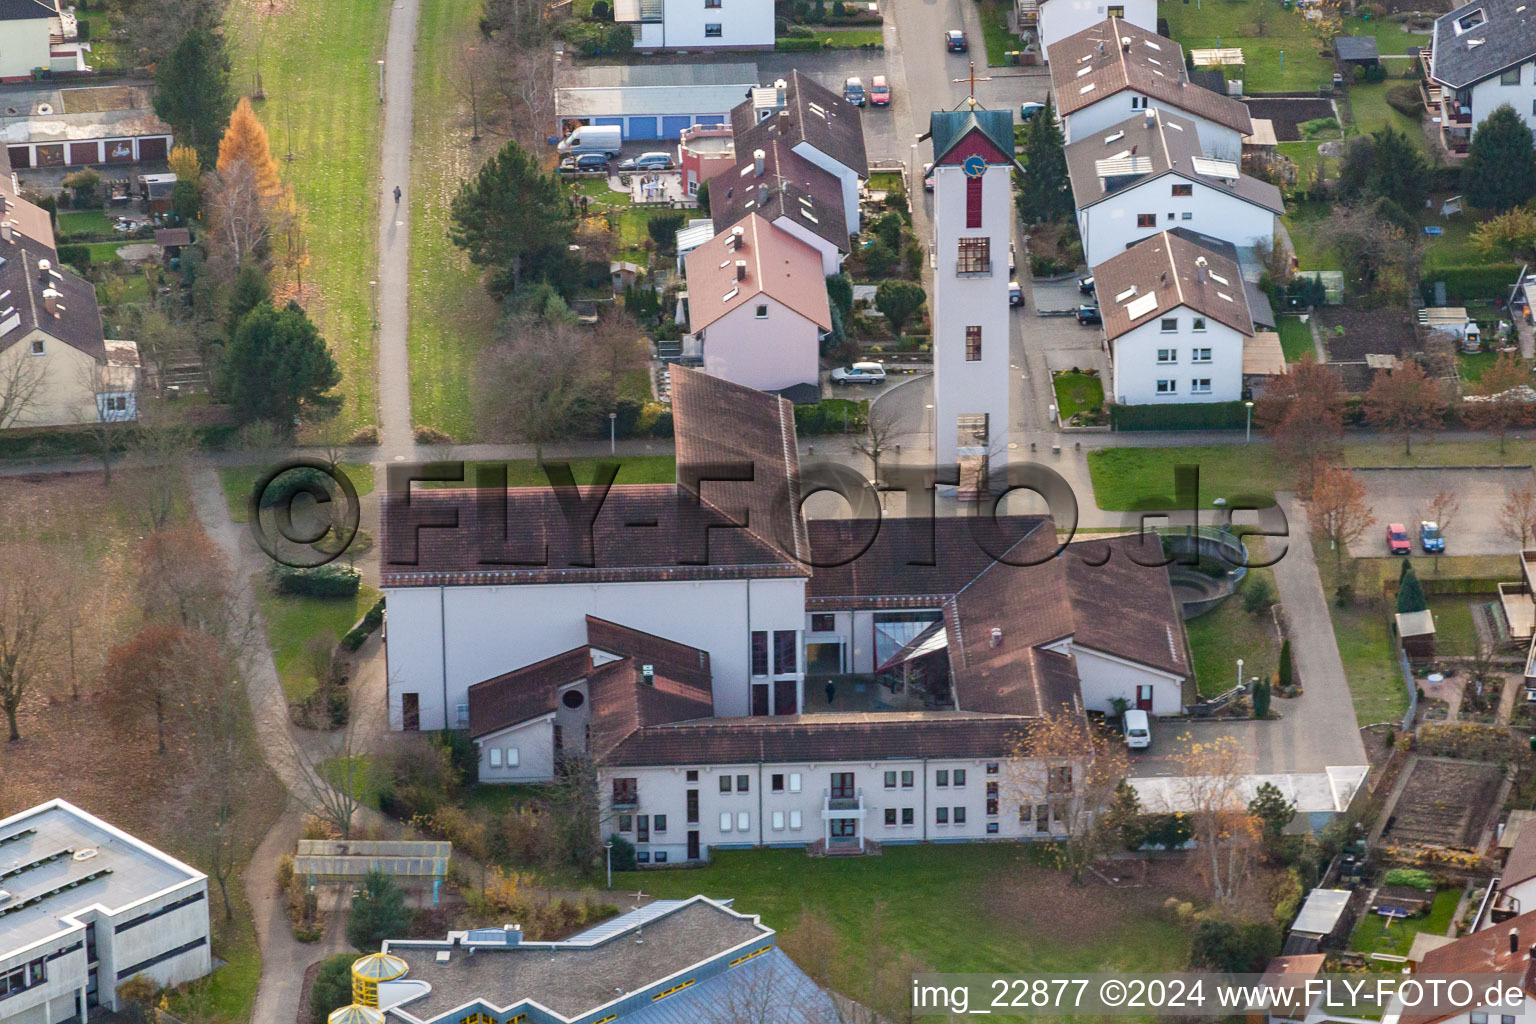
point(246, 139)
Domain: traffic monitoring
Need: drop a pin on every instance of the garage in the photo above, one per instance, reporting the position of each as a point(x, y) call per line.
point(152, 150)
point(641, 128)
point(651, 102)
point(20, 156)
point(83, 153)
point(51, 155)
point(672, 127)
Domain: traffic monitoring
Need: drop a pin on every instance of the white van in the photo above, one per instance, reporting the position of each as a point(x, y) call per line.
point(607, 139)
point(1138, 729)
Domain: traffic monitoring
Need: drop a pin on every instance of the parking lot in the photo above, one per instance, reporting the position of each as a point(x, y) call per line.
point(1399, 496)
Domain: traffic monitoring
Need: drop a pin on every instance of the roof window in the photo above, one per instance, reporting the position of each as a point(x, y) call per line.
point(1469, 21)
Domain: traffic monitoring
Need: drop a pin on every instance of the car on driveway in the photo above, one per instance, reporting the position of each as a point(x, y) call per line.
point(1138, 729)
point(1015, 294)
point(927, 177)
point(1397, 539)
point(1431, 538)
point(1029, 109)
point(853, 90)
point(859, 373)
point(1087, 315)
point(585, 162)
point(879, 91)
point(954, 41)
point(648, 162)
point(1085, 285)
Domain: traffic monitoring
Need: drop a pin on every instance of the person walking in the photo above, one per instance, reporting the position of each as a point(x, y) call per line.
point(397, 195)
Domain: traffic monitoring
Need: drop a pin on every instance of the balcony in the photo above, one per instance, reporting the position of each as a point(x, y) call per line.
point(842, 806)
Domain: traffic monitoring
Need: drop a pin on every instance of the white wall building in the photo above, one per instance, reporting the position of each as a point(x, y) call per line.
point(1176, 318)
point(1147, 174)
point(792, 194)
point(1057, 19)
point(1483, 56)
point(85, 907)
point(973, 215)
point(697, 24)
point(37, 34)
point(1115, 69)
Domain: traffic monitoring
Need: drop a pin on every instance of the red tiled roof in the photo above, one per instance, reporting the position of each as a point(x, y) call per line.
point(526, 693)
point(730, 270)
point(1484, 952)
point(1167, 265)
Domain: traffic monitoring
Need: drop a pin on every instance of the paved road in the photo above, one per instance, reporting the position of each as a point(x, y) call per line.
point(395, 426)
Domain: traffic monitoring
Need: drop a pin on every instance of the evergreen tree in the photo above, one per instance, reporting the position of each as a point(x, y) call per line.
point(1261, 694)
point(1401, 173)
point(250, 290)
point(1124, 818)
point(277, 366)
point(1287, 673)
point(1500, 171)
point(1045, 193)
point(378, 913)
point(246, 139)
point(513, 219)
point(192, 91)
point(1410, 593)
point(898, 302)
point(1273, 810)
point(702, 197)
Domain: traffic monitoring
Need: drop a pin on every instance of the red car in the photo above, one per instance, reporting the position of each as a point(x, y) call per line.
point(1397, 539)
point(879, 91)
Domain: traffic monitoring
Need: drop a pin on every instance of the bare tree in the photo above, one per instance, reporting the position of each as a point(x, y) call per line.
point(1339, 512)
point(1499, 401)
point(1440, 510)
point(538, 382)
point(26, 606)
point(236, 212)
point(220, 738)
point(21, 380)
point(1518, 516)
point(1404, 400)
point(1303, 411)
point(326, 777)
point(755, 993)
point(468, 75)
point(880, 431)
point(162, 668)
point(111, 390)
point(160, 446)
point(1212, 777)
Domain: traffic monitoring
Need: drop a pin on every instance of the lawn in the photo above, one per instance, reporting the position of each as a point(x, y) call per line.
point(1295, 338)
point(1218, 638)
point(954, 908)
point(849, 38)
point(82, 222)
point(1391, 38)
point(1077, 392)
point(1367, 936)
point(994, 31)
point(229, 993)
point(1229, 23)
point(1370, 112)
point(1472, 364)
point(1455, 633)
point(1304, 221)
point(1130, 478)
point(365, 788)
point(321, 83)
point(1305, 156)
point(292, 621)
point(237, 482)
point(633, 469)
point(1364, 637)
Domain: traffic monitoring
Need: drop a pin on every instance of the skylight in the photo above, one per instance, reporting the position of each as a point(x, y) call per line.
point(1469, 21)
point(1224, 295)
point(1086, 89)
point(1142, 306)
point(1149, 44)
point(1127, 294)
point(1218, 278)
point(1083, 70)
point(1113, 138)
point(728, 296)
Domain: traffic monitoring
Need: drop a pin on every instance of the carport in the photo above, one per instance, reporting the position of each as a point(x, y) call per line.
point(652, 101)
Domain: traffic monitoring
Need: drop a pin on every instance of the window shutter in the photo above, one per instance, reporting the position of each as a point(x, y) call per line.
point(973, 202)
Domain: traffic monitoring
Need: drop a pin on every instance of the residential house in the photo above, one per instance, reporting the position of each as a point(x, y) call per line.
point(1502, 958)
point(792, 194)
point(85, 907)
point(1147, 174)
point(816, 123)
point(1106, 73)
point(1482, 56)
point(1057, 19)
point(1517, 881)
point(697, 24)
point(38, 35)
point(1176, 319)
point(703, 151)
point(56, 366)
point(757, 304)
point(668, 961)
point(650, 101)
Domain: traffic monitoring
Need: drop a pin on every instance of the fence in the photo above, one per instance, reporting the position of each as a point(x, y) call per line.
point(1413, 689)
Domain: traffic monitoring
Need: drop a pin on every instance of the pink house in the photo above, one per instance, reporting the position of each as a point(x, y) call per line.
point(704, 151)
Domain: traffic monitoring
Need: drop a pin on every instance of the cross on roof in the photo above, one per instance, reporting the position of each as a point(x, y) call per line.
point(971, 80)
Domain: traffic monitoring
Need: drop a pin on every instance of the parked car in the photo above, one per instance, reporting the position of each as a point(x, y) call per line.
point(853, 90)
point(1431, 539)
point(1013, 257)
point(1015, 294)
point(859, 373)
point(648, 162)
point(1085, 285)
point(1397, 539)
point(879, 91)
point(1138, 729)
point(1029, 109)
point(927, 177)
point(607, 139)
point(1087, 315)
point(585, 162)
point(954, 41)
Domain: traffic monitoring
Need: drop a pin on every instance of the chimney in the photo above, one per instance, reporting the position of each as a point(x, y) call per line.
point(762, 196)
point(6, 231)
point(648, 675)
point(741, 270)
point(759, 158)
point(51, 301)
point(1514, 940)
point(997, 636)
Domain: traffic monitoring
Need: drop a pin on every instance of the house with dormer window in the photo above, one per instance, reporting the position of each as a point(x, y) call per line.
point(1483, 56)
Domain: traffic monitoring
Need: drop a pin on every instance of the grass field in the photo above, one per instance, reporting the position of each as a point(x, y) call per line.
point(994, 31)
point(321, 83)
point(452, 317)
point(76, 222)
point(1455, 633)
point(1229, 23)
point(1218, 638)
point(848, 38)
point(1367, 936)
point(1295, 338)
point(973, 908)
point(1077, 392)
point(1371, 112)
point(1364, 636)
point(633, 469)
point(292, 621)
point(1391, 38)
point(1129, 478)
point(237, 482)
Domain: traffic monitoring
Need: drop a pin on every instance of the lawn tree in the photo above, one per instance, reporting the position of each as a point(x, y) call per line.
point(251, 289)
point(1404, 400)
point(577, 816)
point(755, 993)
point(21, 382)
point(1385, 165)
point(326, 778)
point(1340, 514)
point(237, 216)
point(1274, 813)
point(1286, 675)
point(156, 26)
point(1410, 592)
point(183, 581)
point(538, 382)
point(26, 609)
point(160, 442)
point(1501, 404)
point(813, 943)
point(513, 219)
point(1440, 510)
point(161, 668)
point(184, 164)
point(899, 302)
point(1377, 253)
point(880, 432)
point(1500, 170)
point(192, 91)
point(1123, 820)
point(378, 912)
point(278, 367)
point(1303, 410)
point(220, 739)
point(1063, 764)
point(1518, 516)
point(104, 427)
point(468, 74)
point(1214, 774)
point(1508, 235)
point(1045, 193)
point(245, 140)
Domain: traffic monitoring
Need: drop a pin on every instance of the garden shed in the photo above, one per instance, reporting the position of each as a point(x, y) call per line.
point(1417, 632)
point(1322, 922)
point(1359, 51)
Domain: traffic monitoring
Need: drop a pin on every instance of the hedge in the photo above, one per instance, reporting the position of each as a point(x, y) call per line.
point(1183, 416)
point(832, 416)
point(78, 256)
point(331, 580)
point(366, 625)
point(797, 45)
point(1437, 585)
point(1468, 284)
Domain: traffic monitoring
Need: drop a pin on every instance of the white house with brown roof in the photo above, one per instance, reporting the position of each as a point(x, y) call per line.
point(757, 309)
point(697, 25)
point(791, 193)
point(1148, 174)
point(1176, 318)
point(1115, 69)
point(1058, 19)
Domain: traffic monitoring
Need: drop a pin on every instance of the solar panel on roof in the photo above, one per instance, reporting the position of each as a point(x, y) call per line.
point(1142, 306)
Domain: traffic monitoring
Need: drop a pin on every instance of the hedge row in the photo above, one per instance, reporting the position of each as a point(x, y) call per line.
point(1468, 284)
point(366, 625)
point(1435, 585)
point(1183, 416)
point(796, 45)
point(332, 580)
point(831, 416)
point(57, 442)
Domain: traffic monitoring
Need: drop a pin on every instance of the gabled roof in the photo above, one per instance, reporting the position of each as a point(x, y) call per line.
point(23, 303)
point(1520, 865)
point(26, 217)
point(1148, 146)
point(776, 264)
point(1164, 272)
point(25, 10)
point(1481, 39)
point(1484, 952)
point(812, 114)
point(1115, 55)
point(948, 128)
point(789, 186)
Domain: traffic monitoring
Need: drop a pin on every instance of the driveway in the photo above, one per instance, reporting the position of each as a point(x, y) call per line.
point(1400, 495)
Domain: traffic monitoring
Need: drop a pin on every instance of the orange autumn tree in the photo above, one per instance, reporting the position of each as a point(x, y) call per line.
point(246, 139)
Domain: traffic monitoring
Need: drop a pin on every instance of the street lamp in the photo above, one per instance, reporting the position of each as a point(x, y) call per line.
point(608, 859)
point(1248, 430)
point(381, 81)
point(373, 290)
point(612, 443)
point(1239, 671)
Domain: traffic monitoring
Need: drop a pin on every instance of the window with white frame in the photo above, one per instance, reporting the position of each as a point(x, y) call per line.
point(1199, 324)
point(762, 311)
point(37, 346)
point(794, 821)
point(1510, 77)
point(794, 782)
point(778, 821)
point(1169, 324)
point(1167, 355)
point(1200, 386)
point(512, 758)
point(1201, 355)
point(495, 757)
point(743, 821)
point(726, 819)
point(1187, 215)
point(1167, 387)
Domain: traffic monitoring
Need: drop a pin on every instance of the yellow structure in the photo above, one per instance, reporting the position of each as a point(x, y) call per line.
point(355, 1014)
point(368, 971)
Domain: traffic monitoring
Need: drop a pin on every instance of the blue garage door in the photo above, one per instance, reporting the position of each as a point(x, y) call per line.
point(713, 120)
point(618, 121)
point(642, 128)
point(672, 126)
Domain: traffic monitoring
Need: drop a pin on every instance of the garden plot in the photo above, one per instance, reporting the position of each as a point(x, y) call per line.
point(1444, 803)
point(1365, 332)
point(1287, 113)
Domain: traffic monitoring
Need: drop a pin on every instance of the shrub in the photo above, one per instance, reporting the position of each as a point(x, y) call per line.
point(1404, 98)
point(780, 27)
point(330, 580)
point(332, 987)
point(77, 256)
point(1317, 126)
point(1181, 416)
point(623, 853)
point(1415, 878)
point(369, 622)
point(797, 45)
point(831, 416)
point(1258, 595)
point(601, 11)
point(1468, 284)
point(838, 9)
point(1287, 673)
point(663, 229)
point(1288, 895)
